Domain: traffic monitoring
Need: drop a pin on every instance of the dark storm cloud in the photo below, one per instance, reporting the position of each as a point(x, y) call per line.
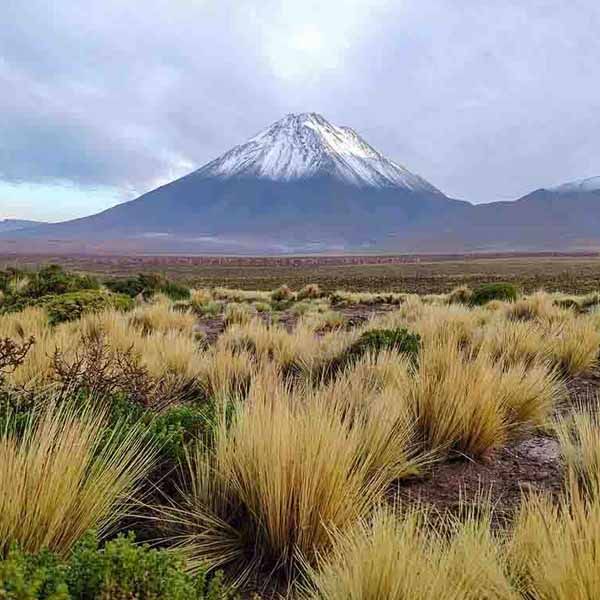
point(487, 99)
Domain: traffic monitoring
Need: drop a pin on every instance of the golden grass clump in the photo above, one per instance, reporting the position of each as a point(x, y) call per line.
point(465, 401)
point(64, 476)
point(286, 473)
point(161, 317)
point(238, 314)
point(456, 399)
point(397, 556)
point(539, 306)
point(460, 295)
point(554, 550)
point(512, 342)
point(272, 342)
point(225, 373)
point(200, 297)
point(573, 344)
point(579, 437)
point(530, 393)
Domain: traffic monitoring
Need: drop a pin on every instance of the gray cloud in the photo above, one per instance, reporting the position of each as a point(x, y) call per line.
point(488, 100)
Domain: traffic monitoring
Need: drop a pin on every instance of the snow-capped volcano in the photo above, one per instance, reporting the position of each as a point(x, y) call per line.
point(301, 185)
point(305, 145)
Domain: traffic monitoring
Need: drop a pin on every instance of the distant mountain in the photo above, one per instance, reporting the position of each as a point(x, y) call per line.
point(304, 185)
point(301, 185)
point(565, 217)
point(16, 224)
point(590, 184)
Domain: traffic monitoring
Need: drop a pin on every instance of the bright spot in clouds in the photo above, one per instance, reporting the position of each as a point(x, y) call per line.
point(308, 39)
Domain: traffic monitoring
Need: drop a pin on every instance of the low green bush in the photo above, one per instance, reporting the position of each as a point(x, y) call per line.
point(170, 430)
point(142, 284)
point(54, 280)
point(208, 309)
point(373, 342)
point(376, 340)
point(121, 570)
point(262, 307)
point(147, 285)
point(175, 291)
point(486, 292)
point(72, 305)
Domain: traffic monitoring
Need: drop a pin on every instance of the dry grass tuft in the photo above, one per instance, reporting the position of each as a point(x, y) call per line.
point(397, 556)
point(161, 317)
point(285, 474)
point(555, 548)
point(64, 477)
point(579, 437)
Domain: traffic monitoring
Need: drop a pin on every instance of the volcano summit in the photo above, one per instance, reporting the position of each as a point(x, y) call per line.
point(302, 184)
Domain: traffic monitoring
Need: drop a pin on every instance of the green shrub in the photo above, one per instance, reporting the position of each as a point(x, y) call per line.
point(54, 280)
point(175, 291)
point(376, 340)
point(121, 570)
point(209, 309)
point(262, 307)
point(486, 292)
point(31, 577)
point(71, 306)
point(171, 430)
point(147, 285)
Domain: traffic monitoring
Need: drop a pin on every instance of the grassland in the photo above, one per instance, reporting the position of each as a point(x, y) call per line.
point(297, 442)
point(419, 274)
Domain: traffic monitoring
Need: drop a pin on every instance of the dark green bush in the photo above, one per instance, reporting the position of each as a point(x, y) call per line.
point(486, 292)
point(376, 340)
point(72, 305)
point(175, 291)
point(147, 285)
point(54, 280)
point(27, 577)
point(171, 430)
point(121, 570)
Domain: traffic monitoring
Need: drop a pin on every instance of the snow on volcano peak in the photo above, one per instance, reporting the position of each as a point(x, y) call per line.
point(305, 145)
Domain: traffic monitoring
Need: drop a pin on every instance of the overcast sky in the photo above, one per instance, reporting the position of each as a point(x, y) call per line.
point(104, 99)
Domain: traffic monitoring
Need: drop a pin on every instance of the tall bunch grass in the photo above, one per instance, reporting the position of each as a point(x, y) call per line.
point(67, 474)
point(285, 473)
point(397, 555)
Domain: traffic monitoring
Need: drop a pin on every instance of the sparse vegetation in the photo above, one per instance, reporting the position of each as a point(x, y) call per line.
point(283, 437)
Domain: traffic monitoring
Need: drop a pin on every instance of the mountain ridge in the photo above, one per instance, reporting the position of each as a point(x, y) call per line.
point(306, 185)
